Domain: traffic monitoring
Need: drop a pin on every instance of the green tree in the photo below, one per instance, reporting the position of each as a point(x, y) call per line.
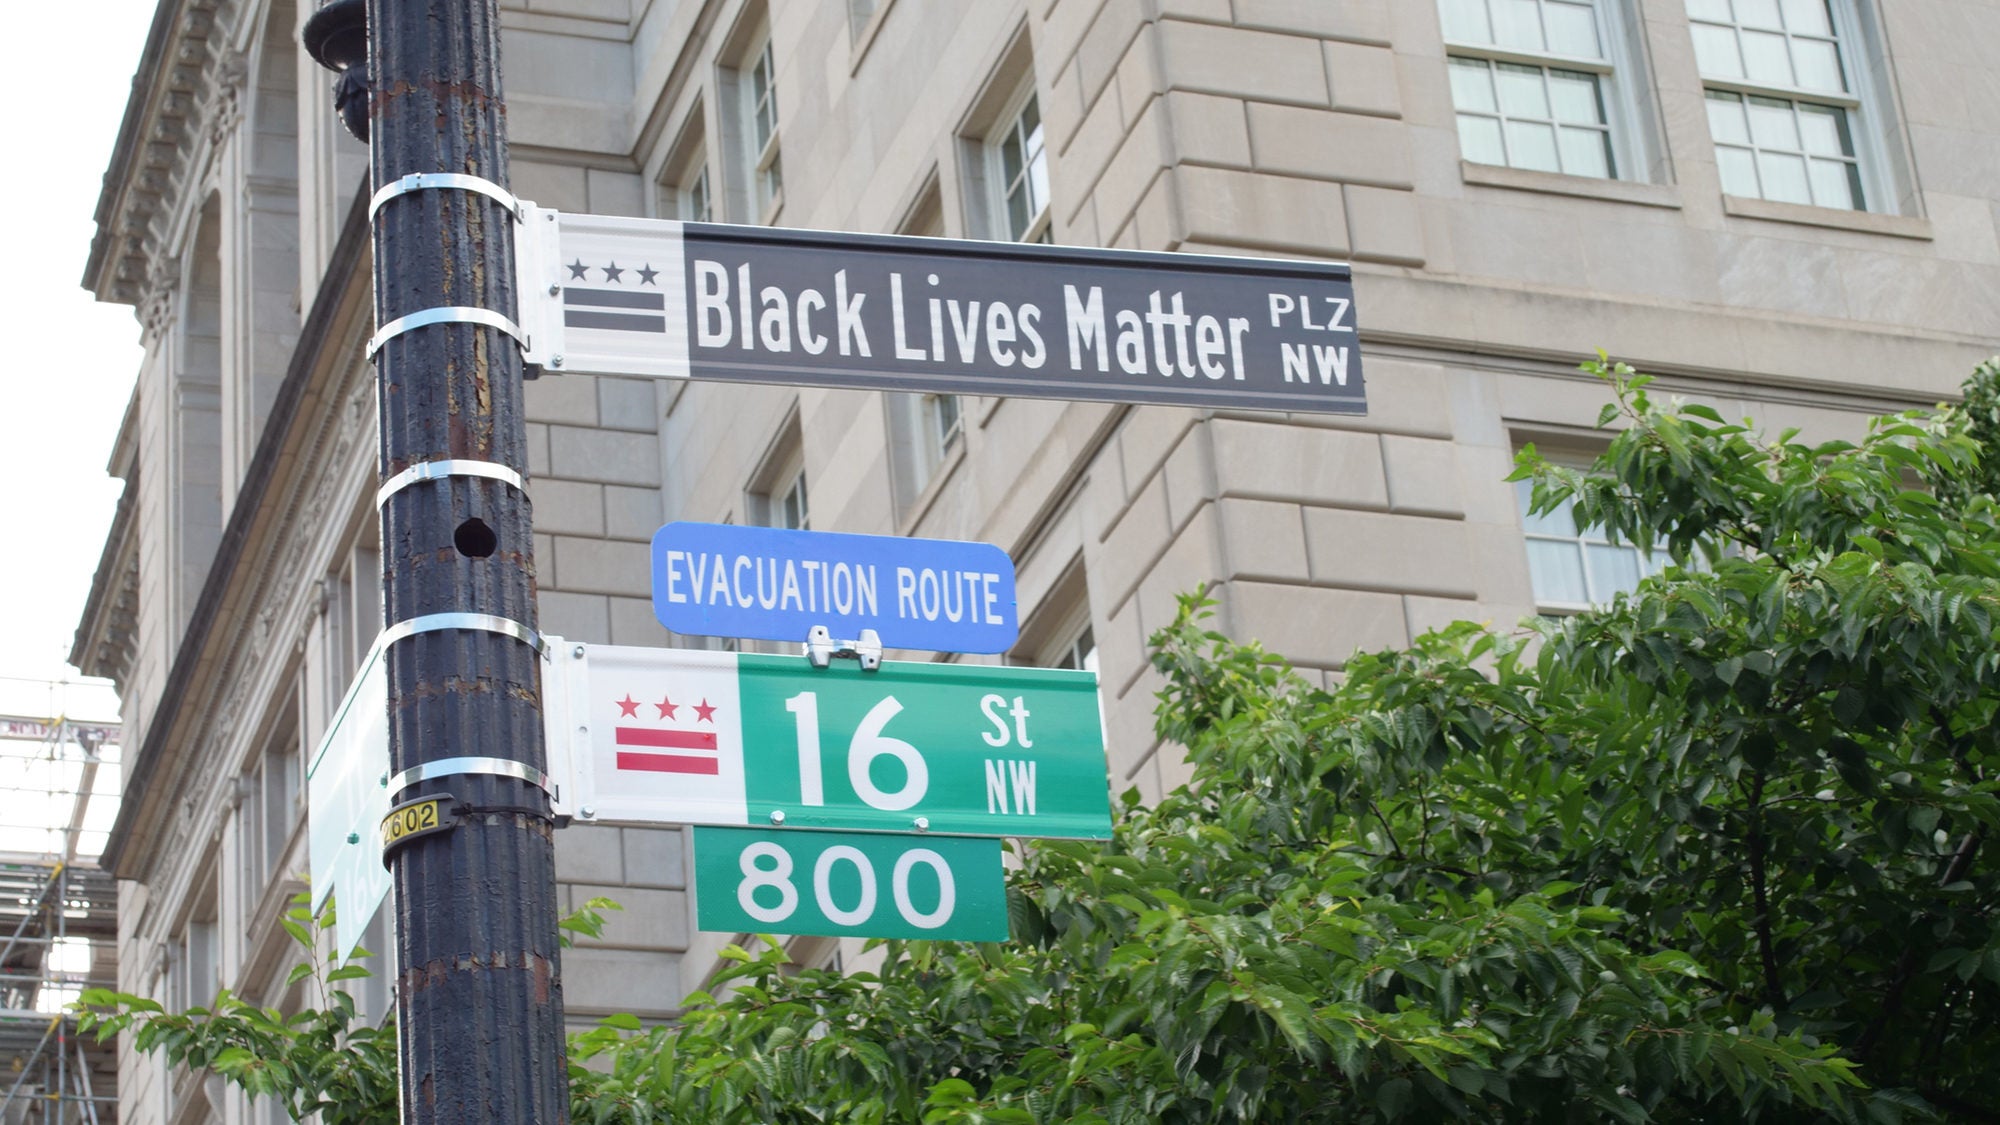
point(1710, 853)
point(319, 1060)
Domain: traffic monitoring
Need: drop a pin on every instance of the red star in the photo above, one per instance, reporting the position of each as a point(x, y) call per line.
point(667, 707)
point(628, 706)
point(703, 712)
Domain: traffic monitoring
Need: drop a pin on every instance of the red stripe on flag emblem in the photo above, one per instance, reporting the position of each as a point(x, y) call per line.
point(673, 739)
point(668, 763)
point(669, 740)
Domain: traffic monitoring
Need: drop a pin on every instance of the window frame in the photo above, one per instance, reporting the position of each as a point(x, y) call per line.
point(790, 504)
point(780, 473)
point(764, 168)
point(695, 187)
point(1055, 633)
point(1861, 102)
point(1633, 148)
point(685, 172)
point(1040, 227)
point(1579, 457)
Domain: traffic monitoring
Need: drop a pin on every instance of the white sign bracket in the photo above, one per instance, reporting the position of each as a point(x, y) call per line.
point(821, 649)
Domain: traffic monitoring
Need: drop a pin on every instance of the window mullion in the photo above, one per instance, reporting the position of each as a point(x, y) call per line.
point(1815, 97)
point(1492, 53)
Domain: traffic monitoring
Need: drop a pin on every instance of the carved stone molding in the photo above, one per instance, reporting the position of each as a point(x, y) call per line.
point(156, 299)
point(225, 112)
point(188, 96)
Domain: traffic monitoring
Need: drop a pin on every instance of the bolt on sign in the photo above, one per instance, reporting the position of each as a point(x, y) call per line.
point(612, 295)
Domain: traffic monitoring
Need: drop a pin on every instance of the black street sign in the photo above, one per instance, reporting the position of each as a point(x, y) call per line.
point(609, 295)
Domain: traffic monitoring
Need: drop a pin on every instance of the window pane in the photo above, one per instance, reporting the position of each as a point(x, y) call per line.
point(1559, 522)
point(1517, 24)
point(1586, 152)
point(1836, 183)
point(1717, 10)
point(1612, 570)
point(1465, 21)
point(944, 412)
point(1725, 119)
point(1807, 17)
point(1010, 158)
point(1772, 124)
point(1479, 139)
point(1521, 91)
point(1818, 65)
point(1758, 13)
point(1472, 85)
point(1038, 176)
point(770, 181)
point(1557, 572)
point(1825, 131)
point(1572, 29)
point(1739, 171)
point(1018, 213)
point(1532, 145)
point(1765, 60)
point(1574, 96)
point(1784, 177)
point(1715, 51)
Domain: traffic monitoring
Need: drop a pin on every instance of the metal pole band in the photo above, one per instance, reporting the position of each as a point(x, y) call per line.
point(444, 314)
point(439, 470)
point(451, 767)
point(439, 622)
point(432, 181)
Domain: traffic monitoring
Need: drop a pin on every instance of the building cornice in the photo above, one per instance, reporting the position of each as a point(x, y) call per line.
point(107, 630)
point(340, 315)
point(184, 98)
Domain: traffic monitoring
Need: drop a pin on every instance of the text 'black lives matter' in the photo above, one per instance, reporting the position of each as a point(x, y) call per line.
point(807, 308)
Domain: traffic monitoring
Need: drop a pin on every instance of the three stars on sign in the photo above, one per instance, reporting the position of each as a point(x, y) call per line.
point(613, 272)
point(629, 707)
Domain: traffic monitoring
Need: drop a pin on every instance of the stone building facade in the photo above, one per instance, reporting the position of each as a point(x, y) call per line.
point(1785, 209)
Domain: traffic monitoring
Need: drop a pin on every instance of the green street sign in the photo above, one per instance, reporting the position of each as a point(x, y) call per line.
point(713, 738)
point(840, 884)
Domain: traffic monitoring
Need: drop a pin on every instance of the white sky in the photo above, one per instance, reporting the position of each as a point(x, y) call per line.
point(72, 360)
point(69, 372)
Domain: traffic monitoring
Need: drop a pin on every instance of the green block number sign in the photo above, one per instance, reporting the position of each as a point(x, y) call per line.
point(839, 884)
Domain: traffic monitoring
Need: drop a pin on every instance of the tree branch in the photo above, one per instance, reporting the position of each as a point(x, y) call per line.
point(1906, 966)
point(1772, 991)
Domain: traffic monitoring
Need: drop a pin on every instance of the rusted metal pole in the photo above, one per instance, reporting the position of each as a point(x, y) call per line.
point(478, 996)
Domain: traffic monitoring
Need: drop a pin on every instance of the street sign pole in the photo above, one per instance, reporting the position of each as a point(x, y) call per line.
point(478, 996)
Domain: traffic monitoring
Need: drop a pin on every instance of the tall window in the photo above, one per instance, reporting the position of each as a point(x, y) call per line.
point(1058, 633)
point(1576, 568)
point(691, 198)
point(942, 422)
point(764, 168)
point(1782, 105)
point(788, 503)
point(1536, 85)
point(923, 428)
point(1078, 650)
point(269, 808)
point(1021, 173)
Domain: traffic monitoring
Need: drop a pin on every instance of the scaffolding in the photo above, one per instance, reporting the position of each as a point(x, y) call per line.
point(58, 918)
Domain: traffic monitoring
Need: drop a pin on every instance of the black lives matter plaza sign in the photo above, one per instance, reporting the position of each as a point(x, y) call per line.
point(609, 295)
